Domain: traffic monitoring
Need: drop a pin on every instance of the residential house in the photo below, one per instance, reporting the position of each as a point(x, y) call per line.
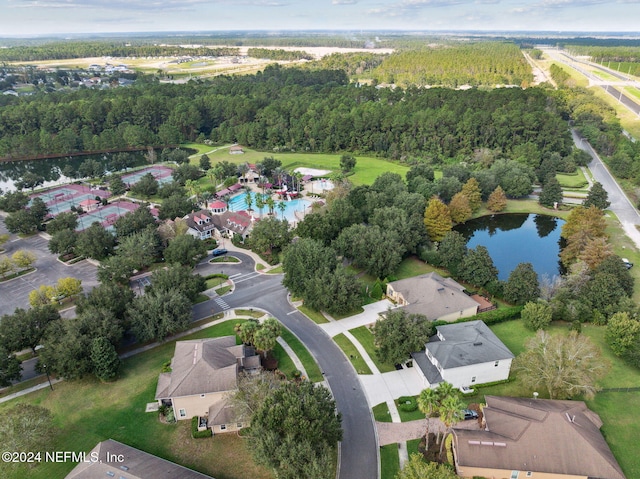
point(236, 150)
point(203, 373)
point(535, 438)
point(463, 354)
point(113, 459)
point(438, 298)
point(200, 224)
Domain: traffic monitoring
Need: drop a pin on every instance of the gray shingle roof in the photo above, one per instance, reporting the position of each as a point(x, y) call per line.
point(538, 435)
point(202, 366)
point(432, 295)
point(467, 343)
point(137, 465)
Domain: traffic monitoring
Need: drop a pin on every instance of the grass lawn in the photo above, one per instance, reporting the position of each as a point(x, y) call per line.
point(414, 266)
point(366, 171)
point(86, 412)
point(365, 337)
point(525, 206)
point(412, 446)
point(575, 180)
point(315, 375)
point(389, 461)
point(249, 312)
point(285, 364)
point(350, 313)
point(381, 412)
point(620, 427)
point(213, 282)
point(352, 353)
point(276, 270)
point(223, 290)
point(224, 259)
point(624, 247)
point(315, 316)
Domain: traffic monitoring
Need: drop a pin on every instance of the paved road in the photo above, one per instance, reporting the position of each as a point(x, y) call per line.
point(620, 204)
point(359, 456)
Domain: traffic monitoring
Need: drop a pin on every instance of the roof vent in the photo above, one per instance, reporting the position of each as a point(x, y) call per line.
point(479, 343)
point(440, 289)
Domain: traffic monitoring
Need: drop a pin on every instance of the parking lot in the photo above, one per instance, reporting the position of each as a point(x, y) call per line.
point(15, 293)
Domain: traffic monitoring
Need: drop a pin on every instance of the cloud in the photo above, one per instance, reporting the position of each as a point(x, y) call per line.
point(412, 7)
point(138, 4)
point(344, 2)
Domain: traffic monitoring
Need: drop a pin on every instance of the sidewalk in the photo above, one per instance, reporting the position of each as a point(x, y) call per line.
point(369, 316)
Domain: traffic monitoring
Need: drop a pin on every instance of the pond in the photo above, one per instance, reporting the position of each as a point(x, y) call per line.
point(51, 169)
point(517, 238)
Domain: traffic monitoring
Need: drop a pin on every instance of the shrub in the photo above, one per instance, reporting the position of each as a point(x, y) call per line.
point(494, 316)
point(169, 416)
point(217, 275)
point(407, 403)
point(448, 446)
point(576, 326)
point(194, 429)
point(166, 367)
point(376, 290)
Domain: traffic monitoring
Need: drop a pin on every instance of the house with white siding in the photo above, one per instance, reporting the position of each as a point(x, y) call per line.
point(463, 354)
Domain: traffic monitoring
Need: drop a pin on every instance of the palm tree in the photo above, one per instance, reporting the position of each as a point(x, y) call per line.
point(450, 413)
point(271, 204)
point(259, 203)
point(277, 175)
point(282, 206)
point(243, 169)
point(248, 200)
point(193, 188)
point(427, 403)
point(211, 174)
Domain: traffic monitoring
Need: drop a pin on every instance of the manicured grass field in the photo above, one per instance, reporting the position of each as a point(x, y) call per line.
point(414, 266)
point(409, 416)
point(624, 247)
point(352, 353)
point(412, 446)
point(381, 412)
point(366, 171)
point(315, 375)
point(389, 461)
point(285, 364)
point(365, 337)
point(86, 412)
point(315, 316)
point(577, 180)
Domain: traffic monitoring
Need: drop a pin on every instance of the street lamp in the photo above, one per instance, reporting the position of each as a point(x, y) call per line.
point(44, 366)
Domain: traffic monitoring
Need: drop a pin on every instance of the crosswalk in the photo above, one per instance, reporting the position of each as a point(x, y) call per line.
point(222, 303)
point(244, 277)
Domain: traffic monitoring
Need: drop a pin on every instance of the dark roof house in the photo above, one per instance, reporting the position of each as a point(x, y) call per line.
point(526, 437)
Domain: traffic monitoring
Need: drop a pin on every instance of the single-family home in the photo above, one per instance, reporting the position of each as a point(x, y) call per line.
point(463, 354)
point(203, 374)
point(113, 459)
point(200, 224)
point(535, 438)
point(438, 298)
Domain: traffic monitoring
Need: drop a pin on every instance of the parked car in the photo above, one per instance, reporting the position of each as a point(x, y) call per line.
point(469, 414)
point(219, 252)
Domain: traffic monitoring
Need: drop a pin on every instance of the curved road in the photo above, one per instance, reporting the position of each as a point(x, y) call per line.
point(358, 450)
point(620, 204)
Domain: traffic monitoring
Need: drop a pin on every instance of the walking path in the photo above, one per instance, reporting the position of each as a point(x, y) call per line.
point(369, 316)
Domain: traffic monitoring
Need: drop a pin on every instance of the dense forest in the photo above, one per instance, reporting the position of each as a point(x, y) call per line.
point(288, 109)
point(452, 65)
point(355, 64)
point(65, 50)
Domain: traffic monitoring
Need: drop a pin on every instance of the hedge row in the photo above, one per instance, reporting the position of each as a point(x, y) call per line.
point(495, 316)
point(217, 275)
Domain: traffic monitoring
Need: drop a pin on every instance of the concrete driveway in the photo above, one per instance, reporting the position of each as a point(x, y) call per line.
point(15, 293)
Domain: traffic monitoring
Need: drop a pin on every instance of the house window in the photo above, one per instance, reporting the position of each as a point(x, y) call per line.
point(223, 427)
point(183, 413)
point(514, 474)
point(239, 425)
point(496, 363)
point(473, 379)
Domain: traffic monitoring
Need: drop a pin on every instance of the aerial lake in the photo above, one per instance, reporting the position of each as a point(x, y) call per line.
point(517, 238)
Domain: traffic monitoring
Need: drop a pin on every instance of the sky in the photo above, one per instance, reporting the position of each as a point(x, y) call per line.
point(37, 17)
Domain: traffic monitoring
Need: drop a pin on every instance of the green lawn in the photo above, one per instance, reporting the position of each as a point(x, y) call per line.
point(389, 461)
point(276, 270)
point(412, 446)
point(315, 316)
point(624, 247)
point(285, 364)
point(365, 337)
point(86, 412)
point(576, 180)
point(213, 282)
point(409, 416)
point(352, 353)
point(381, 412)
point(414, 266)
point(315, 375)
point(366, 171)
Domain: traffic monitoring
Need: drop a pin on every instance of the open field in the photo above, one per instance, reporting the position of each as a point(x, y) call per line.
point(366, 171)
point(86, 412)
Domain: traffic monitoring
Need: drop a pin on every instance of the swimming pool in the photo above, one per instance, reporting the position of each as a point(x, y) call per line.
point(299, 205)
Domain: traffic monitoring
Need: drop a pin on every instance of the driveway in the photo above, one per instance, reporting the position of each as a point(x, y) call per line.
point(15, 293)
